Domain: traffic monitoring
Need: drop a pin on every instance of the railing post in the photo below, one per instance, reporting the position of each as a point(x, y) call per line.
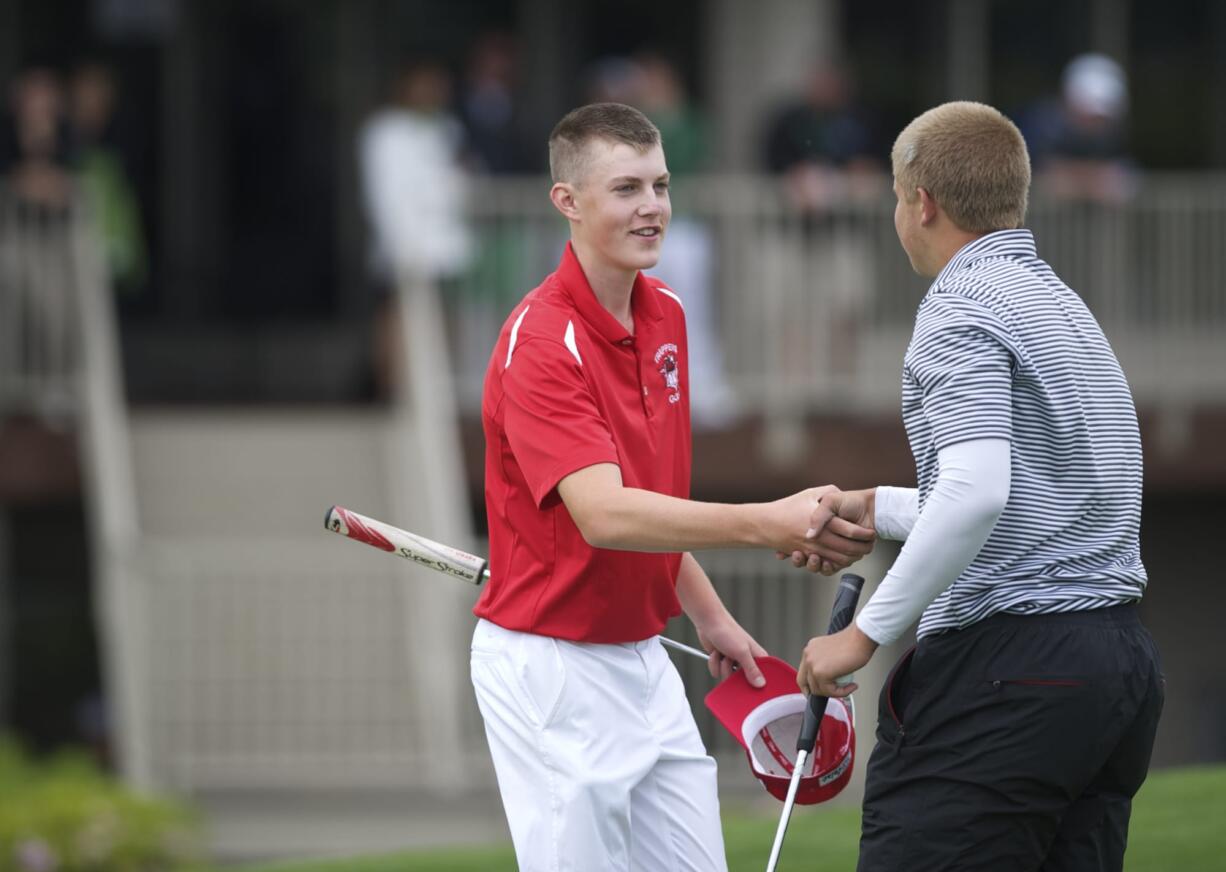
point(110, 496)
point(426, 436)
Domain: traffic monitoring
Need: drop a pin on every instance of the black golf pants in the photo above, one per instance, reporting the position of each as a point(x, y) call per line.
point(1015, 745)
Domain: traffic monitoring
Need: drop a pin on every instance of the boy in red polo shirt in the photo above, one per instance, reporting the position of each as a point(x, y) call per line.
point(587, 471)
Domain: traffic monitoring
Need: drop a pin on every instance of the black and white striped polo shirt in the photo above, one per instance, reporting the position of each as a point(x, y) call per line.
point(1003, 349)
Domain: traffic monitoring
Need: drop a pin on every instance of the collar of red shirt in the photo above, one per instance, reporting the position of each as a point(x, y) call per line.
point(644, 299)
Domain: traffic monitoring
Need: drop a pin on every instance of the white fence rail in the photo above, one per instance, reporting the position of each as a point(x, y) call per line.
point(39, 344)
point(814, 313)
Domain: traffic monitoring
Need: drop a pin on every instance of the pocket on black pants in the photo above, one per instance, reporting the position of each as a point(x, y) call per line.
point(892, 704)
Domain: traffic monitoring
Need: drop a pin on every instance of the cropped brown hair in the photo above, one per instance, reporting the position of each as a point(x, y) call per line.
point(613, 122)
point(972, 160)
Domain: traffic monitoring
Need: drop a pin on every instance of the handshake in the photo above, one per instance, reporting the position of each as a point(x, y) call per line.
point(822, 529)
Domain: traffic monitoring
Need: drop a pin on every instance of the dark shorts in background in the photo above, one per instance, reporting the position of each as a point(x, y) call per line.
point(1013, 745)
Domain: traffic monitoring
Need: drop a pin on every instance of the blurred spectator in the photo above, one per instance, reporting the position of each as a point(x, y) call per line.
point(615, 80)
point(35, 274)
point(687, 262)
point(823, 148)
point(104, 176)
point(662, 97)
point(504, 247)
point(414, 189)
point(1078, 147)
point(487, 106)
point(822, 143)
point(36, 151)
point(1078, 143)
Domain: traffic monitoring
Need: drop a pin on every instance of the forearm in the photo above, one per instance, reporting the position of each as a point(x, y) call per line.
point(971, 492)
point(633, 519)
point(610, 515)
point(697, 595)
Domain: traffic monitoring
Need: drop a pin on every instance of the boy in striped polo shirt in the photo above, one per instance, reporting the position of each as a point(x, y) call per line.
point(1017, 730)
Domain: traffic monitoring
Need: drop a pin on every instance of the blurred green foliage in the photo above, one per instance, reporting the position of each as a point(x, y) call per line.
point(63, 814)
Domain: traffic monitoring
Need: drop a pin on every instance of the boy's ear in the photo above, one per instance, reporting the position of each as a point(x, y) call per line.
point(562, 194)
point(928, 206)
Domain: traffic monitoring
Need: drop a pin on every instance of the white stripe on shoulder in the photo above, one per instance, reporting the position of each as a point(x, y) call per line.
point(569, 339)
point(515, 334)
point(664, 290)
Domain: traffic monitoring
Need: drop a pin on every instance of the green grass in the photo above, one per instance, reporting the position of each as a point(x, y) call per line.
point(1178, 822)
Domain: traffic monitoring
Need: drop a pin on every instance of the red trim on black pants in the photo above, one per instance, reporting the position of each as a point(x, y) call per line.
point(1015, 744)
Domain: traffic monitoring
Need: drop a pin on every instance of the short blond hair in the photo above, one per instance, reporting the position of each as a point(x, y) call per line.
point(972, 160)
point(610, 122)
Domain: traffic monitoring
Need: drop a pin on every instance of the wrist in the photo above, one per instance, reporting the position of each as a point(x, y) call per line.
point(754, 525)
point(870, 507)
point(865, 643)
point(706, 619)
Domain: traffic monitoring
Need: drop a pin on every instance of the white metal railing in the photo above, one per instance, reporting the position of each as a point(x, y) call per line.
point(110, 493)
point(59, 359)
point(38, 336)
point(815, 313)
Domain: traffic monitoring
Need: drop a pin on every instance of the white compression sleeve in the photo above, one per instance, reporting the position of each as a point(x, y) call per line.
point(970, 493)
point(894, 512)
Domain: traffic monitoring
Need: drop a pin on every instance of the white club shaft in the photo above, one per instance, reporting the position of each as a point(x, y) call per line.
point(797, 772)
point(685, 649)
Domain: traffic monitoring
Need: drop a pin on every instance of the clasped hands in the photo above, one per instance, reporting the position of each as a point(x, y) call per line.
point(824, 529)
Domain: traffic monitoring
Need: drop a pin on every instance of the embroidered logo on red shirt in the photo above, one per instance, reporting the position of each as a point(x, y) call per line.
point(666, 363)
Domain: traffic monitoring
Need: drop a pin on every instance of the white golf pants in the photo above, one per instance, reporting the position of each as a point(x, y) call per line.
point(599, 762)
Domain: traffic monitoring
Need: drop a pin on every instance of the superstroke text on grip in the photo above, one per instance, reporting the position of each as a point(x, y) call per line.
point(425, 552)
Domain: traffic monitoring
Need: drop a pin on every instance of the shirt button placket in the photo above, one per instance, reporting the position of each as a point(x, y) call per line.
point(638, 361)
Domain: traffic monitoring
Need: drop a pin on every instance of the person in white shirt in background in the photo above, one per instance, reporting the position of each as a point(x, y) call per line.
point(414, 192)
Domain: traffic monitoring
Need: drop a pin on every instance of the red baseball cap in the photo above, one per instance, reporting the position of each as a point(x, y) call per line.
point(767, 720)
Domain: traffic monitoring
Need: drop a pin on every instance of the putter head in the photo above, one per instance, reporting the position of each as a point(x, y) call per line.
point(766, 721)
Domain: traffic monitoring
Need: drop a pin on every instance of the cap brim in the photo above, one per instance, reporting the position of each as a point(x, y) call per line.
point(734, 698)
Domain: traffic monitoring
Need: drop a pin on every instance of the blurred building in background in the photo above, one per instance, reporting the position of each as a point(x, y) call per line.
point(187, 325)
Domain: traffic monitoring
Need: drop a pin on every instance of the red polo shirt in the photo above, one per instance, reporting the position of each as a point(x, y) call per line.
point(567, 387)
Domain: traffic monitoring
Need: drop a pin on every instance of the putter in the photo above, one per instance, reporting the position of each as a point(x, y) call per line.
point(844, 608)
point(433, 555)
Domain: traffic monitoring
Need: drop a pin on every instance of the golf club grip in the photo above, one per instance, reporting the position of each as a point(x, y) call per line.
point(426, 552)
point(844, 610)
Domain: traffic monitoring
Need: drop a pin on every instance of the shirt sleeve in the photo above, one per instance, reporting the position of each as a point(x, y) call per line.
point(386, 177)
point(895, 511)
point(551, 419)
point(964, 370)
point(970, 493)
